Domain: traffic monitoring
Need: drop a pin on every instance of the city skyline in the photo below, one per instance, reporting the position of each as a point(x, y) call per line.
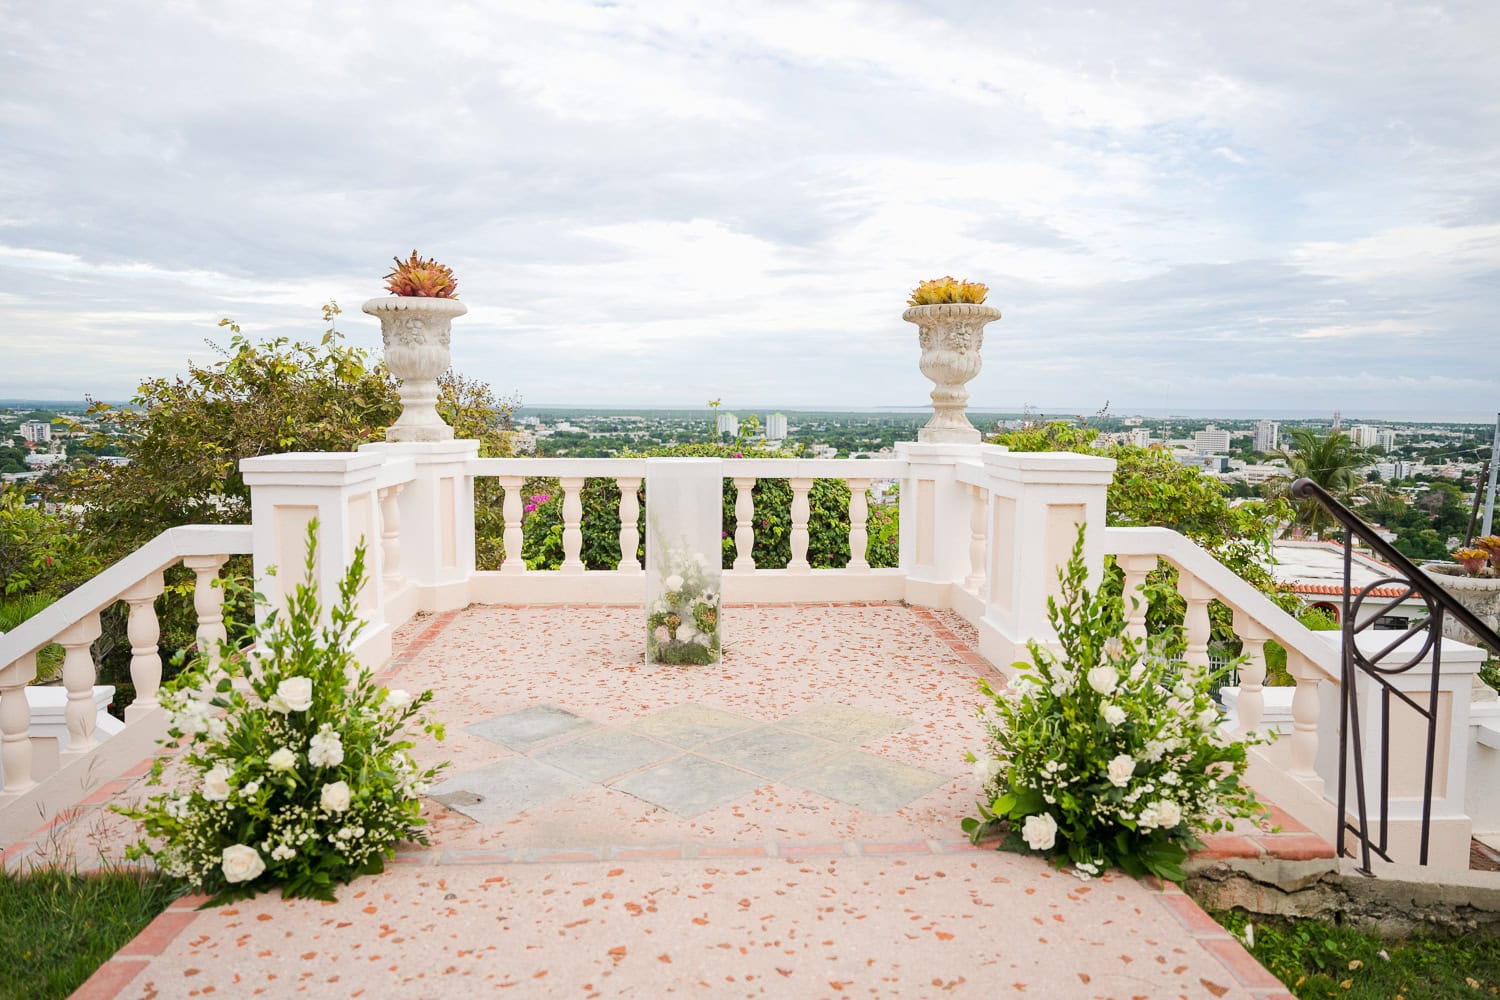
point(1274, 211)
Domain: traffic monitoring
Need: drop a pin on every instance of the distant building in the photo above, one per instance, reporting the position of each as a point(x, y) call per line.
point(36, 431)
point(1267, 435)
point(776, 427)
point(1211, 441)
point(1364, 435)
point(728, 423)
point(523, 442)
point(1208, 463)
point(1396, 470)
point(1386, 439)
point(1140, 437)
point(46, 459)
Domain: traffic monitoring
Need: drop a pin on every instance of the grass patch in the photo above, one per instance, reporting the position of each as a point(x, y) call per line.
point(1315, 959)
point(57, 927)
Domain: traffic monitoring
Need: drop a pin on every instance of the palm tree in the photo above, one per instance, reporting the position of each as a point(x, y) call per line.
point(1334, 462)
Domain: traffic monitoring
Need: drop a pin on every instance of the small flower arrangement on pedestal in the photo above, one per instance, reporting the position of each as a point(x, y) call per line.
point(298, 767)
point(683, 624)
point(1110, 754)
point(1477, 559)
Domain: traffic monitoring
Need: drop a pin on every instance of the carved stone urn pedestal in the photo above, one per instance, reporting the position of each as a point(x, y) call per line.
point(951, 335)
point(416, 332)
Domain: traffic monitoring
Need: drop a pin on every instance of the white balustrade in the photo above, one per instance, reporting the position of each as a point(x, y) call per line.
point(801, 487)
point(572, 511)
point(1251, 705)
point(630, 531)
point(859, 537)
point(78, 679)
point(510, 510)
point(144, 631)
point(15, 724)
point(1136, 568)
point(1306, 704)
point(1196, 622)
point(390, 536)
point(208, 602)
point(744, 524)
point(978, 511)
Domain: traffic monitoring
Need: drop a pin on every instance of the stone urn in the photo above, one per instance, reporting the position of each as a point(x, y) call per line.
point(951, 335)
point(416, 331)
point(1479, 594)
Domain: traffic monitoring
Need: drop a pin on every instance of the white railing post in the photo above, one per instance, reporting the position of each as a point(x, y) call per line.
point(510, 509)
point(1196, 623)
point(208, 602)
point(81, 715)
point(15, 724)
point(801, 487)
point(572, 512)
point(1306, 704)
point(390, 536)
point(1251, 705)
point(144, 632)
point(1136, 568)
point(744, 524)
point(978, 509)
point(859, 516)
point(934, 504)
point(630, 532)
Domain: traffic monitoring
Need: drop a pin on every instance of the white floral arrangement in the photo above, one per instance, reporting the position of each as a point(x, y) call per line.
point(298, 765)
point(1111, 754)
point(682, 624)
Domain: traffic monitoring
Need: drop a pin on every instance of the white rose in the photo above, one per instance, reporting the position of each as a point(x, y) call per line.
point(1114, 714)
point(335, 797)
point(1040, 832)
point(241, 863)
point(1208, 718)
point(296, 692)
point(216, 783)
point(398, 698)
point(282, 760)
point(1103, 679)
point(1168, 813)
point(1183, 691)
point(1120, 770)
point(278, 704)
point(672, 583)
point(986, 769)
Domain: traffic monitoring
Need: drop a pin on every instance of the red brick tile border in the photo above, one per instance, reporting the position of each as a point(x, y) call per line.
point(111, 978)
point(1218, 942)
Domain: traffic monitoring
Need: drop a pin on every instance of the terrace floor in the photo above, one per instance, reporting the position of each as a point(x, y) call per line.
point(783, 824)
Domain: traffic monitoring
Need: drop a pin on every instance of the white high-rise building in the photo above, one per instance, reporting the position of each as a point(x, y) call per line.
point(1364, 435)
point(1140, 437)
point(1210, 441)
point(728, 423)
point(776, 427)
point(1267, 435)
point(1386, 439)
point(36, 431)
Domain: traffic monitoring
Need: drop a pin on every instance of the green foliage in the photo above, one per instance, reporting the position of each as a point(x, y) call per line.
point(1109, 754)
point(39, 554)
point(1316, 959)
point(683, 626)
point(1315, 619)
point(1334, 462)
point(305, 779)
point(58, 926)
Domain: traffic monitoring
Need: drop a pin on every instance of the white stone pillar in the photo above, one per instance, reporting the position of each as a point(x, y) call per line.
point(340, 490)
point(1037, 501)
point(437, 519)
point(935, 510)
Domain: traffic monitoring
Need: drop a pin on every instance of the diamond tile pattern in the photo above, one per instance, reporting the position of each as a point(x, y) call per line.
point(687, 759)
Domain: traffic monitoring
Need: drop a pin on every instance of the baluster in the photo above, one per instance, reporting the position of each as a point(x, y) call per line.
point(630, 514)
point(78, 678)
point(15, 723)
point(1305, 707)
point(510, 509)
point(390, 538)
point(800, 515)
point(1251, 706)
point(1196, 622)
point(978, 506)
point(859, 517)
point(572, 487)
point(144, 631)
point(208, 601)
point(1136, 569)
point(744, 524)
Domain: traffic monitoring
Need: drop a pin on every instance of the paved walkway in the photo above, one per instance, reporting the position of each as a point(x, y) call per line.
point(784, 824)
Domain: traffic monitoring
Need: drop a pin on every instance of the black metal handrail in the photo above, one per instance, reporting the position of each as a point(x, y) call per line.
point(1411, 582)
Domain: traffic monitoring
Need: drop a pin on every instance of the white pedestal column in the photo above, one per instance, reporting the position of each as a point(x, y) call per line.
point(935, 509)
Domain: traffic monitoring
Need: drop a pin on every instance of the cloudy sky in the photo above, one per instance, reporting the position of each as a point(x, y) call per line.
point(1276, 206)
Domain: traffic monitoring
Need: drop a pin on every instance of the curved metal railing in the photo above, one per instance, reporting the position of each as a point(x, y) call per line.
point(1395, 657)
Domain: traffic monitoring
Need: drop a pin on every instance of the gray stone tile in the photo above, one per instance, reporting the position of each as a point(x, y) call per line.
point(771, 751)
point(527, 727)
point(689, 785)
point(871, 783)
point(691, 724)
point(605, 753)
point(844, 724)
point(506, 789)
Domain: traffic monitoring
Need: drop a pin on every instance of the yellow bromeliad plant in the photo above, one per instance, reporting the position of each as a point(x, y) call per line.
point(947, 289)
point(421, 278)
